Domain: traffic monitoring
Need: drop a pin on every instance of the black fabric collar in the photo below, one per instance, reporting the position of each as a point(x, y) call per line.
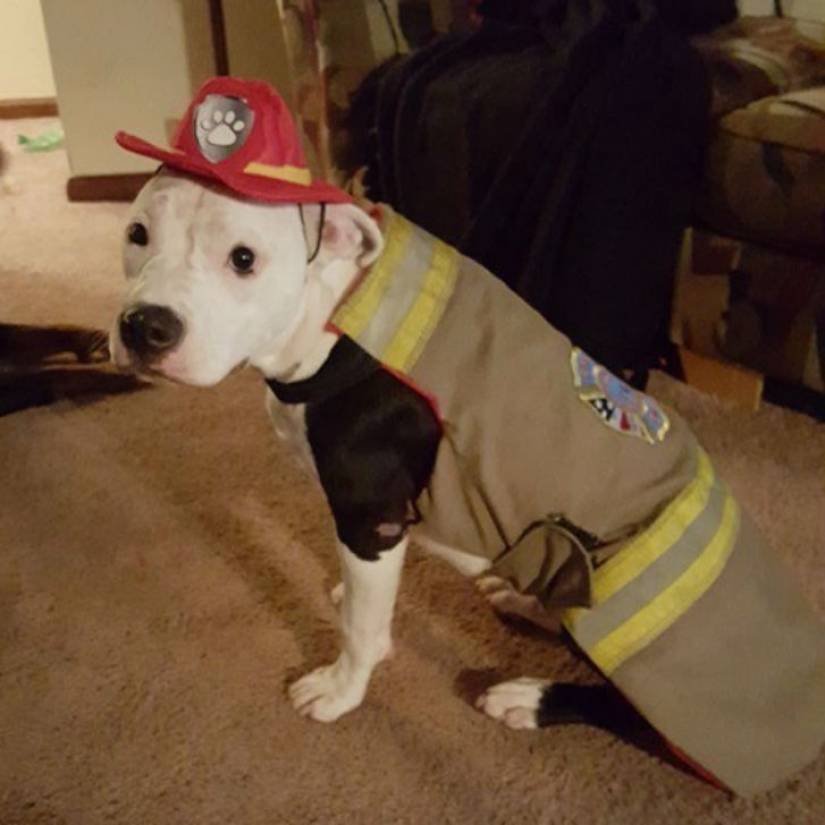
point(346, 365)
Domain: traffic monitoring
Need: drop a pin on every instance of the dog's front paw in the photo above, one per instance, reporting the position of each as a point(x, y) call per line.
point(515, 703)
point(329, 692)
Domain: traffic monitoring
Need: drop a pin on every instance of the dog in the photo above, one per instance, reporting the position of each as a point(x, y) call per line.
point(43, 364)
point(431, 402)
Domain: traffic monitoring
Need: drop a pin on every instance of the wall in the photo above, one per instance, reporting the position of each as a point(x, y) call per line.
point(25, 67)
point(250, 54)
point(124, 64)
point(805, 9)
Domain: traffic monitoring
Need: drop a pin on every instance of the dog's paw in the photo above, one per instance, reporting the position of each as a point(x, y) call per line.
point(503, 597)
point(336, 595)
point(515, 703)
point(329, 692)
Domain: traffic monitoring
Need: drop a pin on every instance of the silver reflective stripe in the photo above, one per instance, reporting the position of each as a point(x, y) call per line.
point(394, 310)
point(399, 295)
point(660, 574)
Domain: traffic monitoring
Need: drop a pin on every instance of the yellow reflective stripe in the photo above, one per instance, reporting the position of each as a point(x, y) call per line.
point(652, 620)
point(290, 174)
point(668, 528)
point(406, 346)
point(355, 314)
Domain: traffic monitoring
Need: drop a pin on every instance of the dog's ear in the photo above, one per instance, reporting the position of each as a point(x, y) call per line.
point(348, 233)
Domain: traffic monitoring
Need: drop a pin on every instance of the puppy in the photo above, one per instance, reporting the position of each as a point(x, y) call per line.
point(430, 400)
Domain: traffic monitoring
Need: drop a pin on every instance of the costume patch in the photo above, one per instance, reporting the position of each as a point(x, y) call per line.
point(222, 125)
point(621, 407)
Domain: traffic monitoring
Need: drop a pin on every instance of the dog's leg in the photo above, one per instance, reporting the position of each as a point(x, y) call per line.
point(515, 703)
point(539, 703)
point(499, 593)
point(370, 588)
point(527, 703)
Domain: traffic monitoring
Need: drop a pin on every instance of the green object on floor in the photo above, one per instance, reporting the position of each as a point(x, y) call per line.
point(46, 142)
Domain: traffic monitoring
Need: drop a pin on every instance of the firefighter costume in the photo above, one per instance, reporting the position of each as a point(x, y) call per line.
point(577, 488)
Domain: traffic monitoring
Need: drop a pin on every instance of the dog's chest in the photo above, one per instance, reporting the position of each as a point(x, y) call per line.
point(289, 421)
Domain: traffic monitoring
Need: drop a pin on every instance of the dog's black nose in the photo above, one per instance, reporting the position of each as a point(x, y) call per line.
point(148, 330)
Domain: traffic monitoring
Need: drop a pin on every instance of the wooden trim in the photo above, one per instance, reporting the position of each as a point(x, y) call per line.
point(723, 379)
point(28, 107)
point(106, 187)
point(218, 24)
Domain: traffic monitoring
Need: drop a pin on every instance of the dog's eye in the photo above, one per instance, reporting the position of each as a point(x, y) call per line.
point(242, 259)
point(138, 234)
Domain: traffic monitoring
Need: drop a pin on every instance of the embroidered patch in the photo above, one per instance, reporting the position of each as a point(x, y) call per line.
point(621, 407)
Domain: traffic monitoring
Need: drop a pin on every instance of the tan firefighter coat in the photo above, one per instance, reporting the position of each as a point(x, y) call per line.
point(589, 495)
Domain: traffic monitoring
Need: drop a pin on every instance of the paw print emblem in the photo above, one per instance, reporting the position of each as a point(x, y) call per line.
point(222, 125)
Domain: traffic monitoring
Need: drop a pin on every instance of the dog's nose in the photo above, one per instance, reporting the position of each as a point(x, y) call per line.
point(149, 330)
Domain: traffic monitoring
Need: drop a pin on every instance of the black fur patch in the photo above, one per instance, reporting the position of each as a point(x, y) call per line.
point(564, 703)
point(374, 445)
point(346, 365)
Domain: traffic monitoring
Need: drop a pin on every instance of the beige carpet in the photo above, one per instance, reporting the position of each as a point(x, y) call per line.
point(163, 576)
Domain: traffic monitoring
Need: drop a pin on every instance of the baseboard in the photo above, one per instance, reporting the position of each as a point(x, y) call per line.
point(722, 379)
point(28, 107)
point(106, 187)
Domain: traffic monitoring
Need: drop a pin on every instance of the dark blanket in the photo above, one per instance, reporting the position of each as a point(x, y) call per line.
point(559, 145)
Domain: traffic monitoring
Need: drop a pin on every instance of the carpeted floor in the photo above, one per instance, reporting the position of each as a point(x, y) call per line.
point(163, 575)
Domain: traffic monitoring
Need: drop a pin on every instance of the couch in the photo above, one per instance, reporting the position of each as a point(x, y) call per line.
point(753, 290)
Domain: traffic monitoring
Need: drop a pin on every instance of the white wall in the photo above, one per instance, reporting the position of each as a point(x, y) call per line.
point(124, 64)
point(25, 67)
point(805, 9)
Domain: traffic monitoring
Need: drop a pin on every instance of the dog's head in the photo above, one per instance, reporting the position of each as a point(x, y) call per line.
point(217, 281)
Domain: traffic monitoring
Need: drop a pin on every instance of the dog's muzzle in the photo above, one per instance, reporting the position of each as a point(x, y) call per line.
point(149, 331)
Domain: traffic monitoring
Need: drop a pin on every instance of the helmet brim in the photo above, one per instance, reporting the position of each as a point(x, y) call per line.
point(259, 187)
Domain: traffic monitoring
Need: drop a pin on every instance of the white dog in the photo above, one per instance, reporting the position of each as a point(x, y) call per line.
point(217, 283)
point(426, 395)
